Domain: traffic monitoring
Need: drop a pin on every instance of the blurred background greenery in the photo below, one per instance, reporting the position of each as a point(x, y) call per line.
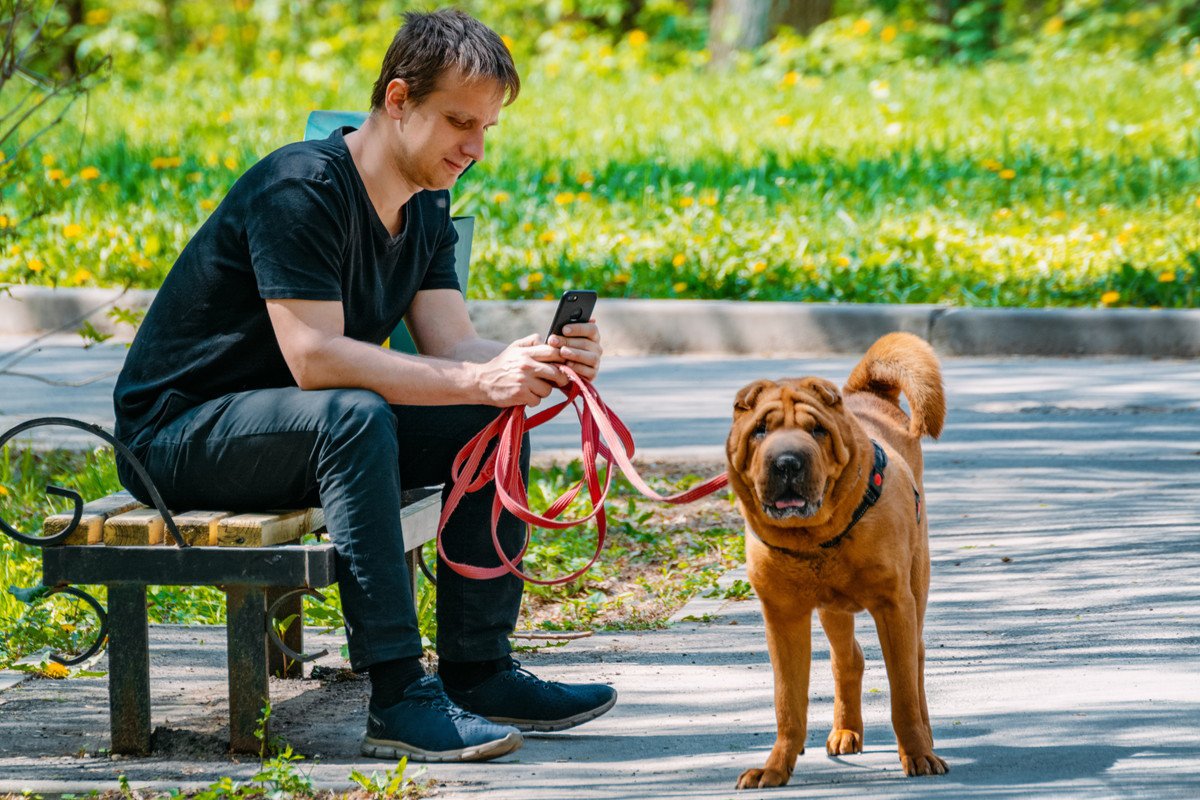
point(970, 152)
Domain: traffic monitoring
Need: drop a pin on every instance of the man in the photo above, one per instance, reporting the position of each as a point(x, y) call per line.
point(257, 380)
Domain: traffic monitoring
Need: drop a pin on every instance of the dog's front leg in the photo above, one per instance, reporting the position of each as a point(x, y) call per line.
point(789, 641)
point(846, 736)
point(899, 636)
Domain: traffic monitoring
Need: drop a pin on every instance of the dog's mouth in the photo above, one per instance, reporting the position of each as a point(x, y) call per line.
point(789, 505)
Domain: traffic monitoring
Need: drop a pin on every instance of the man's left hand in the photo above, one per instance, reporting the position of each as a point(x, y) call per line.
point(580, 348)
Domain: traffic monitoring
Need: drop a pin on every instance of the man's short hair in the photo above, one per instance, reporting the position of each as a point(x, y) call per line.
point(429, 44)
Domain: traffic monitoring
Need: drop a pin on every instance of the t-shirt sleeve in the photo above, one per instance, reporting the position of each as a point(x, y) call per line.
point(441, 274)
point(294, 232)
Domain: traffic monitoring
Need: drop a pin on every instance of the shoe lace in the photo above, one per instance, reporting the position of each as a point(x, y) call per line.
point(516, 667)
point(436, 699)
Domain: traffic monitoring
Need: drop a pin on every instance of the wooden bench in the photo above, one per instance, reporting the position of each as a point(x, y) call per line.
point(255, 558)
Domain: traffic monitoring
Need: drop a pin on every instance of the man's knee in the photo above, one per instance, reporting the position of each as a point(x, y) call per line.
point(360, 414)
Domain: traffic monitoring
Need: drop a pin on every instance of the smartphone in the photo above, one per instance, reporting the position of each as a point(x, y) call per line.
point(575, 305)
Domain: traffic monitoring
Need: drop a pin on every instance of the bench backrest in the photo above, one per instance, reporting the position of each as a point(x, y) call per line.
point(322, 123)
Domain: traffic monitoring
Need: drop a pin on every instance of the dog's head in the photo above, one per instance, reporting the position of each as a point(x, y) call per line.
point(790, 442)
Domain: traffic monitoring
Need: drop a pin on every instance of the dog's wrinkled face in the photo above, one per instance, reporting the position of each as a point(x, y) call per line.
point(787, 447)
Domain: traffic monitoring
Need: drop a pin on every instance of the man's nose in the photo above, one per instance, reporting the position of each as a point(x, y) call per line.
point(473, 148)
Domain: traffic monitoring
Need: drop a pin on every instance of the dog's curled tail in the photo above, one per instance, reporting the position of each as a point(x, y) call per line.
point(902, 362)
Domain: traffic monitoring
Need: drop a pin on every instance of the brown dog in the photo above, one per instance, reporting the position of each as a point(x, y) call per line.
point(830, 486)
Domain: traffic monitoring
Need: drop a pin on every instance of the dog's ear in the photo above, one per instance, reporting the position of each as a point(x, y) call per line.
point(823, 389)
point(748, 396)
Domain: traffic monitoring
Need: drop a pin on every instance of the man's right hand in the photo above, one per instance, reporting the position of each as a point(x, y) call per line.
point(522, 374)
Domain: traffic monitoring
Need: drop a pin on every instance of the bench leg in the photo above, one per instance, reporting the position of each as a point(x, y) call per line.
point(128, 669)
point(293, 637)
point(246, 632)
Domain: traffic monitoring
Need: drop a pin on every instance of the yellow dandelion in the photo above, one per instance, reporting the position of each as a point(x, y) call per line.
point(1167, 276)
point(686, 202)
point(36, 265)
point(585, 177)
point(783, 120)
point(54, 175)
point(638, 38)
point(991, 165)
point(55, 670)
point(1003, 213)
point(208, 205)
point(708, 199)
point(791, 78)
point(843, 261)
point(3, 491)
point(230, 162)
point(81, 277)
point(506, 287)
point(3, 221)
point(47, 159)
point(1053, 26)
point(536, 277)
point(97, 16)
point(224, 118)
point(621, 279)
point(527, 226)
point(508, 42)
point(888, 34)
point(679, 260)
point(1104, 210)
point(584, 197)
point(1110, 297)
point(547, 236)
point(14, 249)
point(1007, 174)
point(211, 159)
point(680, 287)
point(564, 198)
point(501, 197)
point(195, 177)
point(1197, 202)
point(89, 174)
point(759, 267)
point(72, 230)
point(909, 25)
point(861, 27)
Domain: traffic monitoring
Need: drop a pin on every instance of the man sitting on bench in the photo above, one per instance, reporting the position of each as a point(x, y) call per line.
point(257, 381)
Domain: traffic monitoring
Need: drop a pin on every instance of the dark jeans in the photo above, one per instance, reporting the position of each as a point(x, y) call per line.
point(350, 452)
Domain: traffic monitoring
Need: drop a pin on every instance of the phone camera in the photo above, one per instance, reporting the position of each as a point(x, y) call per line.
point(571, 298)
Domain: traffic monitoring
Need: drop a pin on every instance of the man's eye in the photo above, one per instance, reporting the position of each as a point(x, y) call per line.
point(458, 123)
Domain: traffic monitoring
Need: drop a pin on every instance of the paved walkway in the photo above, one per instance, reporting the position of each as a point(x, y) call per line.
point(1063, 650)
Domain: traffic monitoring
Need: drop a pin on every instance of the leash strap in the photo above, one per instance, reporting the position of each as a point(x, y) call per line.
point(603, 435)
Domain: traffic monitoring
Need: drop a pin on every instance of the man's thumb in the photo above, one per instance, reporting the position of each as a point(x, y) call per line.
point(529, 341)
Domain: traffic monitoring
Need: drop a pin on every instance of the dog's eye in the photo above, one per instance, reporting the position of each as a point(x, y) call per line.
point(761, 430)
point(818, 431)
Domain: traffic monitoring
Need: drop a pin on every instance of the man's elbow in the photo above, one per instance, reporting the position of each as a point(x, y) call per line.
point(310, 365)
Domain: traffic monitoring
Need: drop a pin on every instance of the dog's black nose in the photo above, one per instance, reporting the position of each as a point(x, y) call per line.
point(788, 465)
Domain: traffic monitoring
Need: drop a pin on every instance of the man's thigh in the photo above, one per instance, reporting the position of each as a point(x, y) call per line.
point(251, 450)
point(431, 436)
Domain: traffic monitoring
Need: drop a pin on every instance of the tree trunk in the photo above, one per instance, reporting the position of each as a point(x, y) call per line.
point(74, 9)
point(736, 25)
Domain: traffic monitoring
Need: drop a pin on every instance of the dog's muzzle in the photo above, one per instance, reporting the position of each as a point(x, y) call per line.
point(787, 493)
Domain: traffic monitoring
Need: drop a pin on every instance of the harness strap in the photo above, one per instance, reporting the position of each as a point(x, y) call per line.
point(874, 490)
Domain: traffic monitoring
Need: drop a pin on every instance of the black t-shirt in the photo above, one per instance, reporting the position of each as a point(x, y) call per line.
point(298, 225)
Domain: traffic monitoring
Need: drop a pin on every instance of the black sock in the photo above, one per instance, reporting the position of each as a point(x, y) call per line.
point(464, 675)
point(389, 679)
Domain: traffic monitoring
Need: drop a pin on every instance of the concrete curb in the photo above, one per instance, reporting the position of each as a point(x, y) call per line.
point(726, 327)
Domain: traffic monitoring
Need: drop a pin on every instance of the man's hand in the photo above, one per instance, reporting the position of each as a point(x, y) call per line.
point(579, 348)
point(522, 374)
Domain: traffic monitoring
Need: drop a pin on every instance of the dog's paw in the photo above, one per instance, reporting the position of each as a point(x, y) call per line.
point(762, 779)
point(843, 742)
point(926, 764)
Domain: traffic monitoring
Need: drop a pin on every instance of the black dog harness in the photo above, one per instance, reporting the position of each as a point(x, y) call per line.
point(870, 497)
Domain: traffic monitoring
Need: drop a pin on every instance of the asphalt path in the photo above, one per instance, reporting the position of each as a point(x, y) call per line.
point(1063, 644)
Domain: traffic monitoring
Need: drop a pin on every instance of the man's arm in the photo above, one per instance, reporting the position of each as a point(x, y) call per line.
point(311, 335)
point(441, 327)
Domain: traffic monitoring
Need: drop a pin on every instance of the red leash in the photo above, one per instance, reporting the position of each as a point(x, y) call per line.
point(603, 435)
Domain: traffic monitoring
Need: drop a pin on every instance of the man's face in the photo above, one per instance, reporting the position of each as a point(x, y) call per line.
point(442, 135)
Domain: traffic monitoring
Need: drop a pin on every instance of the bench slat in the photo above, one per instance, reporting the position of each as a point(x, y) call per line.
point(91, 524)
point(141, 527)
point(198, 527)
point(260, 530)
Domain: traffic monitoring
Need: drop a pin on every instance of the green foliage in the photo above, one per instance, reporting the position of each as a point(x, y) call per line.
point(385, 786)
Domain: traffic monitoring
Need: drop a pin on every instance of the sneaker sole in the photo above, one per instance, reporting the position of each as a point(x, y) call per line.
point(383, 748)
point(552, 726)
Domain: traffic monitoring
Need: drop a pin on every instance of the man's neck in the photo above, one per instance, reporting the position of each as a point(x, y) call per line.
point(387, 188)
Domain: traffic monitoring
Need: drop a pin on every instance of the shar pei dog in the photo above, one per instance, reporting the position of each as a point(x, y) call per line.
point(830, 486)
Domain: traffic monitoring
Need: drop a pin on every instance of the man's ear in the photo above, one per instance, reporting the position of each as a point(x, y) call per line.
point(748, 396)
point(395, 98)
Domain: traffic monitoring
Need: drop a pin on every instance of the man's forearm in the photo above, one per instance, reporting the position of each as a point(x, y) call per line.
point(476, 350)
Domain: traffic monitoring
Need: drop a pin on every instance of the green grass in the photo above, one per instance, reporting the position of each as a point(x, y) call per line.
point(1054, 179)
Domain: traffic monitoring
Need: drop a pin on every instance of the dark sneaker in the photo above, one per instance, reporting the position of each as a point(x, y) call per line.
point(517, 697)
point(426, 726)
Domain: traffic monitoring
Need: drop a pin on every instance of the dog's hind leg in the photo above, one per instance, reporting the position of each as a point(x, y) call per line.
point(846, 736)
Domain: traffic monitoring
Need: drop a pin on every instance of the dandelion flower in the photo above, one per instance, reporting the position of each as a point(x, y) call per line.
point(679, 260)
point(888, 34)
point(638, 38)
point(1167, 277)
point(564, 198)
point(231, 162)
point(54, 175)
point(686, 202)
point(622, 279)
point(861, 27)
point(55, 670)
point(47, 159)
point(508, 42)
point(584, 197)
point(36, 265)
point(501, 197)
point(759, 267)
point(1110, 297)
point(547, 236)
point(89, 174)
point(536, 277)
point(585, 177)
point(843, 261)
point(783, 120)
point(680, 287)
point(207, 204)
point(506, 287)
point(81, 277)
point(791, 78)
point(3, 221)
point(72, 230)
point(1007, 174)
point(3, 491)
point(991, 165)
